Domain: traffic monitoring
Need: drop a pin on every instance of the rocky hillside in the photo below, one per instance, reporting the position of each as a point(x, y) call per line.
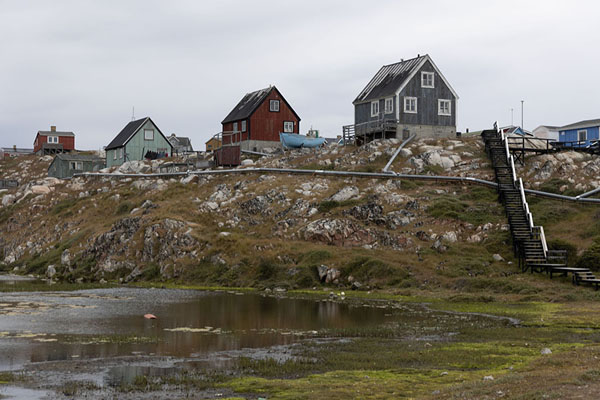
point(291, 231)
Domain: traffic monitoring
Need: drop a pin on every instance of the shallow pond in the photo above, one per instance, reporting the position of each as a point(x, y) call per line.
point(192, 328)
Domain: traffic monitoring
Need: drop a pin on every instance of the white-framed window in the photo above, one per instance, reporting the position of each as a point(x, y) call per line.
point(389, 105)
point(52, 139)
point(148, 134)
point(288, 126)
point(76, 165)
point(410, 105)
point(427, 79)
point(114, 154)
point(375, 108)
point(444, 107)
point(121, 150)
point(235, 126)
point(244, 126)
point(582, 135)
point(274, 105)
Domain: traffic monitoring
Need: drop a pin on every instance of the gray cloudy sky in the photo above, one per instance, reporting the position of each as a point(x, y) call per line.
point(83, 64)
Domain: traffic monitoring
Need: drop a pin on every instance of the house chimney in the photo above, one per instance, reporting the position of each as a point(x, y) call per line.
point(14, 147)
point(52, 128)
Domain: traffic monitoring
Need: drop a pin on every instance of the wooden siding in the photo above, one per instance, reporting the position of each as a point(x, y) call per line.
point(137, 147)
point(427, 101)
point(571, 135)
point(264, 124)
point(68, 142)
point(62, 168)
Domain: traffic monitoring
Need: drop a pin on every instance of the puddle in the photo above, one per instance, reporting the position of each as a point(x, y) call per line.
point(13, 392)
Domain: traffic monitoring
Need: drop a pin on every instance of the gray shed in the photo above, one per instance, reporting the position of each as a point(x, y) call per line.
point(65, 165)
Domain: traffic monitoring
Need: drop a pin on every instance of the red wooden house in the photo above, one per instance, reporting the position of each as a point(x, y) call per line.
point(53, 141)
point(255, 123)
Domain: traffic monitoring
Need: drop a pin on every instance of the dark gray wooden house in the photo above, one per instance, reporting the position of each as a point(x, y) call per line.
point(405, 98)
point(65, 165)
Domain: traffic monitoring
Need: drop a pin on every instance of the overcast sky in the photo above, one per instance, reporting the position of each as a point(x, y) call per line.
point(83, 64)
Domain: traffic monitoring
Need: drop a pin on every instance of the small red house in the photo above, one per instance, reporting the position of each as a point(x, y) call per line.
point(53, 141)
point(256, 121)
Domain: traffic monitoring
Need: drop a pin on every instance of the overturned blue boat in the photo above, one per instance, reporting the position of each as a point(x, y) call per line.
point(296, 141)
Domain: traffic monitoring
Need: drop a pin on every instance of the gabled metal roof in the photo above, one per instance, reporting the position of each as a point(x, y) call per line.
point(389, 78)
point(249, 103)
point(392, 78)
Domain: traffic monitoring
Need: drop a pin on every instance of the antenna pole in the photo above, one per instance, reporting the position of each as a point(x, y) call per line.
point(133, 114)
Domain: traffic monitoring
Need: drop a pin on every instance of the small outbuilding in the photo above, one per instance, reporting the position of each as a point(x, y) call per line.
point(53, 142)
point(138, 140)
point(181, 145)
point(66, 165)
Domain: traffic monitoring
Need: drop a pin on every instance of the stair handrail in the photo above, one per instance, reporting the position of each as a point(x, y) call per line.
point(506, 149)
point(512, 169)
point(543, 240)
point(525, 205)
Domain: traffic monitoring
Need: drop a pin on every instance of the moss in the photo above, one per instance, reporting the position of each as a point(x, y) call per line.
point(590, 257)
point(124, 208)
point(328, 205)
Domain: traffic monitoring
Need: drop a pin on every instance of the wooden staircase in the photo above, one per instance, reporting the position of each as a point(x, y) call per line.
point(529, 242)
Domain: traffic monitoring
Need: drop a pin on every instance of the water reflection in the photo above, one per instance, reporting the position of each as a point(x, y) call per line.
point(108, 323)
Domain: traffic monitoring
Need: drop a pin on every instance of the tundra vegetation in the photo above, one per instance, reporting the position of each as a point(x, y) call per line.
point(379, 240)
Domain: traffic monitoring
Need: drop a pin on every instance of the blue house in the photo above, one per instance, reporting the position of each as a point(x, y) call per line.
point(579, 134)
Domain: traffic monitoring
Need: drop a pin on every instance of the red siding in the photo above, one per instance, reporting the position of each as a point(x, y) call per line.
point(68, 142)
point(264, 124)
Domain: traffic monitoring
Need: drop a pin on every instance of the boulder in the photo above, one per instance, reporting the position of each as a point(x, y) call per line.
point(40, 189)
point(8, 200)
point(322, 271)
point(497, 257)
point(450, 237)
point(65, 258)
point(50, 271)
point(189, 179)
point(346, 193)
point(247, 162)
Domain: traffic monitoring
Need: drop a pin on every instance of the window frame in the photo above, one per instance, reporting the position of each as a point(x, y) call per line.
point(285, 123)
point(115, 154)
point(146, 136)
point(375, 108)
point(244, 126)
point(235, 126)
point(390, 101)
point(53, 139)
point(424, 75)
point(407, 100)
point(440, 109)
point(272, 104)
point(121, 152)
point(579, 132)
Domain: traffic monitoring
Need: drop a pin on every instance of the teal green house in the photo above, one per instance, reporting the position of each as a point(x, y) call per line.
point(139, 140)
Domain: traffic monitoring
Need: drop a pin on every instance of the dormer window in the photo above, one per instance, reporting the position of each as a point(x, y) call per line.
point(427, 79)
point(389, 105)
point(274, 105)
point(375, 108)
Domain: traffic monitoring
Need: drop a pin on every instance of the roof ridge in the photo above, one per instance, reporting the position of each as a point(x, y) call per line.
point(408, 59)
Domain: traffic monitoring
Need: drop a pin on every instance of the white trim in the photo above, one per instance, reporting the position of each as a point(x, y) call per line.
point(385, 104)
point(427, 73)
point(416, 110)
point(115, 153)
point(235, 126)
point(244, 126)
point(272, 103)
point(440, 111)
point(288, 126)
point(580, 131)
point(146, 137)
point(375, 113)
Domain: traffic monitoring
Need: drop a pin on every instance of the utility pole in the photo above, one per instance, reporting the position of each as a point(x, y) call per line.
point(511, 116)
point(522, 101)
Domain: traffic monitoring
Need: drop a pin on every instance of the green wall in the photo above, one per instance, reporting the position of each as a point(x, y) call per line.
point(137, 147)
